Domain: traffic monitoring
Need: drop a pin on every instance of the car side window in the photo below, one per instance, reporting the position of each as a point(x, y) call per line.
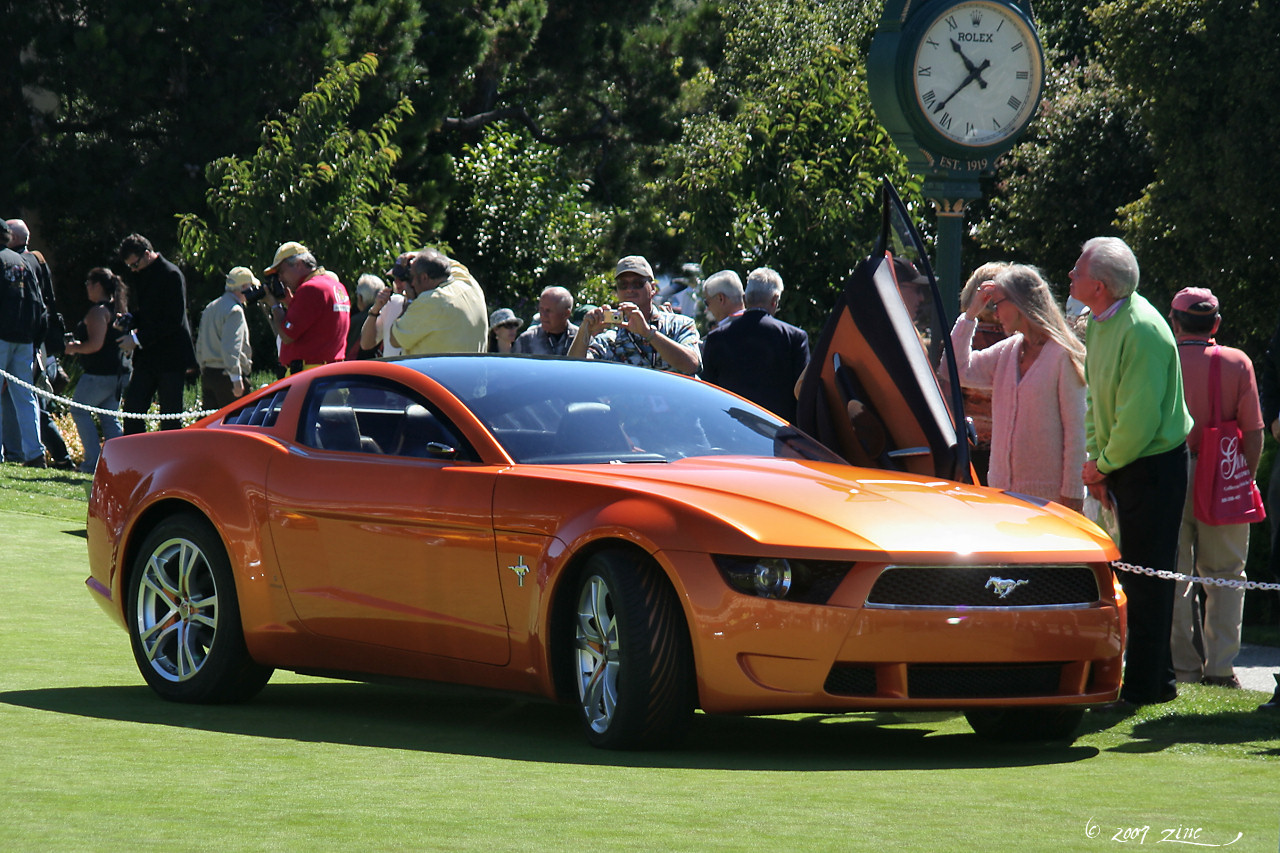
point(367, 415)
point(262, 412)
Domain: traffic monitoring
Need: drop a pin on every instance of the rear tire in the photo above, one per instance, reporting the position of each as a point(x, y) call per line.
point(630, 655)
point(184, 618)
point(1021, 725)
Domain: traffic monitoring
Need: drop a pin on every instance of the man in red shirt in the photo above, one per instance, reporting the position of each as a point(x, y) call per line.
point(313, 318)
point(1211, 551)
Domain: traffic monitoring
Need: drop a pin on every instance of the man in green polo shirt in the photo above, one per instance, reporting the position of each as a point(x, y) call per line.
point(1135, 435)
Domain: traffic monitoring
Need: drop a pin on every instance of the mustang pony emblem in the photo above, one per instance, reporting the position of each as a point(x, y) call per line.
point(1003, 586)
point(521, 570)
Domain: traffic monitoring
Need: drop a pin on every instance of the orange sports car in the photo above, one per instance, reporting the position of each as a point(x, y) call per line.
point(635, 543)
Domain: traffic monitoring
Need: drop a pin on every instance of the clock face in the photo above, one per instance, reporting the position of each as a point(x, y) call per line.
point(977, 73)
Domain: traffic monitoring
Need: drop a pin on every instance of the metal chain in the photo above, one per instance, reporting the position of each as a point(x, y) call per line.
point(1115, 564)
point(1175, 576)
point(193, 414)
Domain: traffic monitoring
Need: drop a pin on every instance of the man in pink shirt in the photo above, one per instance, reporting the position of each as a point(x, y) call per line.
point(1211, 551)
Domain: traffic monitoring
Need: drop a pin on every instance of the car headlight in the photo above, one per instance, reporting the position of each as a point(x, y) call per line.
point(804, 581)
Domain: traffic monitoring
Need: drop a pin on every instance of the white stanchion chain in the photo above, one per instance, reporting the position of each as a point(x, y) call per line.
point(49, 395)
point(1175, 576)
point(1115, 564)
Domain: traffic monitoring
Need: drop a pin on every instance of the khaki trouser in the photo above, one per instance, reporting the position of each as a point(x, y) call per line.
point(1210, 552)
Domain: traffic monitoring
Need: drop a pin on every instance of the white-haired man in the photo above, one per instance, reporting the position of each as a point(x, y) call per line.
point(223, 350)
point(1136, 427)
point(554, 333)
point(722, 294)
point(755, 355)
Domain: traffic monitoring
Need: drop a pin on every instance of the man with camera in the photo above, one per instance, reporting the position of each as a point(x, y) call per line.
point(309, 309)
point(636, 332)
point(156, 332)
point(222, 347)
point(447, 311)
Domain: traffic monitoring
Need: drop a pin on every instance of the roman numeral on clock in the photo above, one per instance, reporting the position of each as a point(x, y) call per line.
point(1014, 102)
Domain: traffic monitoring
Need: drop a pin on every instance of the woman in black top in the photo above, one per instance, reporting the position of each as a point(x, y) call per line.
point(106, 369)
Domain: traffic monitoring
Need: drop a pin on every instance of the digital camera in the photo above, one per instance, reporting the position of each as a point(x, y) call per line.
point(271, 284)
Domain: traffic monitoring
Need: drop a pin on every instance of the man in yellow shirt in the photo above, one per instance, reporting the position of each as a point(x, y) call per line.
point(448, 312)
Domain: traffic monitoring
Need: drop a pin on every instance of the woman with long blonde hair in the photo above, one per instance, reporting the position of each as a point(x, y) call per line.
point(1036, 377)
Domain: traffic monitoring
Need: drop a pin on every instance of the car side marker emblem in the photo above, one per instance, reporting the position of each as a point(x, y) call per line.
point(1003, 586)
point(521, 570)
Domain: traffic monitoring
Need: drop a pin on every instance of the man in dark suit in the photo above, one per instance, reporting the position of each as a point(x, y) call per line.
point(159, 334)
point(756, 355)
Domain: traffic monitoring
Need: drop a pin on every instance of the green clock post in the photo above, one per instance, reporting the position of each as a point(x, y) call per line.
point(955, 82)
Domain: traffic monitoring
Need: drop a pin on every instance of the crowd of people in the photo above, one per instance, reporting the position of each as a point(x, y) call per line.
point(1103, 415)
point(1114, 407)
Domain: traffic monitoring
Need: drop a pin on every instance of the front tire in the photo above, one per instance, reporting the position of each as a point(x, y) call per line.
point(184, 618)
point(632, 661)
point(1021, 725)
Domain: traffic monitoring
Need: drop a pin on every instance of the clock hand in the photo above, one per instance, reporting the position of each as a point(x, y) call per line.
point(975, 74)
point(968, 65)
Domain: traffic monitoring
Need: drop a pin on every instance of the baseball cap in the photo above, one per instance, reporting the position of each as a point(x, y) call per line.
point(1195, 300)
point(284, 253)
point(401, 269)
point(241, 277)
point(635, 264)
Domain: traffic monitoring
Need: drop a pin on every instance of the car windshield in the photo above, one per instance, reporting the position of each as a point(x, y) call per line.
point(561, 411)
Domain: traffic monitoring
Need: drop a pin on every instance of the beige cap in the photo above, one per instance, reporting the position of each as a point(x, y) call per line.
point(284, 253)
point(635, 264)
point(241, 277)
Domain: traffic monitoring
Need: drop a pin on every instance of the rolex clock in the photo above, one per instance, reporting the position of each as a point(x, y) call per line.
point(955, 82)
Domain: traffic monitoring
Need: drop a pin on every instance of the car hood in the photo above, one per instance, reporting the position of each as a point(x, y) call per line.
point(820, 506)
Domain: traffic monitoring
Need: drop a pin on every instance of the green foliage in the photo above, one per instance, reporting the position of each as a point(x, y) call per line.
point(315, 180)
point(524, 220)
point(1155, 126)
point(1204, 73)
point(1084, 157)
point(782, 165)
point(127, 103)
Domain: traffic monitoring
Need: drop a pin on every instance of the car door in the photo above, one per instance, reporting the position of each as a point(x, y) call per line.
point(381, 520)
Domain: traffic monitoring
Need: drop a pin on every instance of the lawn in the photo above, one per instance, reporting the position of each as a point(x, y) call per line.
point(93, 761)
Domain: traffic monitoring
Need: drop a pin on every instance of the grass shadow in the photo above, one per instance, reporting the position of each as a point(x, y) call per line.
point(451, 721)
point(1216, 729)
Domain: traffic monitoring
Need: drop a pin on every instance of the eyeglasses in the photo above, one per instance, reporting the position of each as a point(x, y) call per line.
point(135, 263)
point(637, 283)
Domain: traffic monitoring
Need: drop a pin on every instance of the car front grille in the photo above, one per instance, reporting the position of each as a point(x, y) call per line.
point(953, 681)
point(981, 586)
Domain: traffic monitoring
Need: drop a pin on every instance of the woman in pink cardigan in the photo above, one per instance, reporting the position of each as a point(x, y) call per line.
point(1036, 377)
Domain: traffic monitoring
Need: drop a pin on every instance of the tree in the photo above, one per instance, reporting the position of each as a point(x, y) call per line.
point(1204, 73)
point(116, 107)
point(781, 166)
point(525, 221)
point(1083, 158)
point(315, 180)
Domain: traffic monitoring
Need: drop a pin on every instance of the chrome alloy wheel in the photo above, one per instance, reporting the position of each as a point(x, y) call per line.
point(177, 609)
point(598, 652)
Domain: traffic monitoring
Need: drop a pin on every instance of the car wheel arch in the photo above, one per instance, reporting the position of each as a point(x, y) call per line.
point(140, 528)
point(563, 603)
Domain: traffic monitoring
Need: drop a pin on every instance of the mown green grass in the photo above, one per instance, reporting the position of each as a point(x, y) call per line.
point(93, 761)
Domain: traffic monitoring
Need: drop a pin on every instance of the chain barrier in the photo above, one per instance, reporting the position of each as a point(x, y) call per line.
point(1119, 565)
point(49, 395)
point(1175, 576)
